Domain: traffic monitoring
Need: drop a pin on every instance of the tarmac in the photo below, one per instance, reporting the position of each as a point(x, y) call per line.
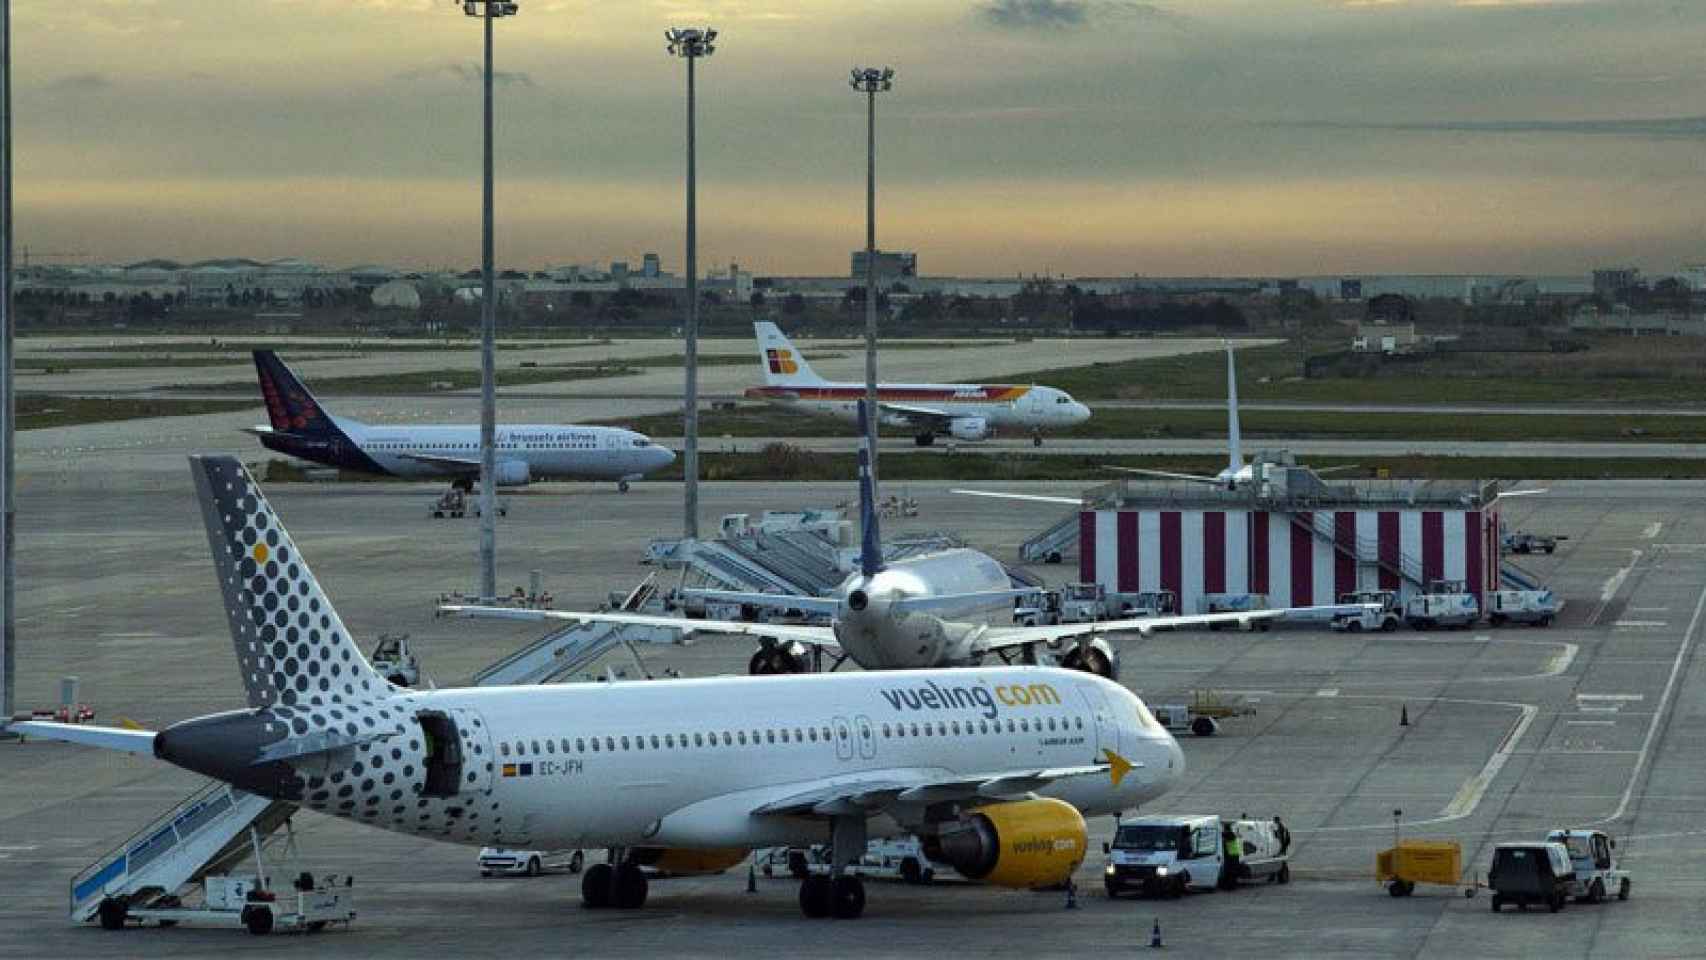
point(1595, 721)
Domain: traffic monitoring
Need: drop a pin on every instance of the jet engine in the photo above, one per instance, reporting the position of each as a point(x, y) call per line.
point(512, 473)
point(1095, 656)
point(968, 428)
point(1028, 844)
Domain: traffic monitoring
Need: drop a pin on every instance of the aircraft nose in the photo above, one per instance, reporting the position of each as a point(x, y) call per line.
point(1080, 412)
point(662, 458)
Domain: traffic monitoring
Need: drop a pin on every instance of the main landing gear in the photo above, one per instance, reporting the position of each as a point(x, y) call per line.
point(619, 884)
point(838, 895)
point(925, 439)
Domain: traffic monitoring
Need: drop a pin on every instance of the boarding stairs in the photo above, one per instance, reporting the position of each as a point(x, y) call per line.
point(209, 832)
point(1057, 541)
point(1363, 550)
point(1513, 577)
point(569, 648)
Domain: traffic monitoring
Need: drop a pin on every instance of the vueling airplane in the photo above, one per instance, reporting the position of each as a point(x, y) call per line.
point(994, 769)
point(964, 411)
point(302, 427)
point(948, 608)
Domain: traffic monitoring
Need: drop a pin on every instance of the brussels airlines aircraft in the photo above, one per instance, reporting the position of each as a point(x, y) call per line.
point(964, 411)
point(949, 608)
point(994, 769)
point(302, 427)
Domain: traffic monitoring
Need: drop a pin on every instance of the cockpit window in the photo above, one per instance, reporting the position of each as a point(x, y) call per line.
point(1063, 399)
point(642, 442)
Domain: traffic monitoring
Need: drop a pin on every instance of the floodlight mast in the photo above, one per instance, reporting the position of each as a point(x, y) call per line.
point(8, 319)
point(870, 81)
point(488, 10)
point(690, 44)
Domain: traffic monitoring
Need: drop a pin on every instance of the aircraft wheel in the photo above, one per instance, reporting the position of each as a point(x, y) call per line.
point(258, 920)
point(1036, 441)
point(113, 913)
point(814, 897)
point(595, 886)
point(925, 439)
point(631, 887)
point(576, 862)
point(621, 486)
point(534, 867)
point(847, 898)
point(1596, 893)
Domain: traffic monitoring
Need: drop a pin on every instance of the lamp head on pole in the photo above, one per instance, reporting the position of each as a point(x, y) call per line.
point(691, 41)
point(494, 8)
point(872, 79)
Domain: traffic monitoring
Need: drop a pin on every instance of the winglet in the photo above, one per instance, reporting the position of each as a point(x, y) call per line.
point(1118, 766)
point(870, 544)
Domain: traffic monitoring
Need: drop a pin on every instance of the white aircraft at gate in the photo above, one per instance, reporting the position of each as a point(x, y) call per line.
point(995, 769)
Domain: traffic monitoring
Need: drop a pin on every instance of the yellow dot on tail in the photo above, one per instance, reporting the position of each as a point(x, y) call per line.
point(260, 553)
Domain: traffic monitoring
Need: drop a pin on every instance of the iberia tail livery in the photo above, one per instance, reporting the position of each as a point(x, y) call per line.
point(964, 411)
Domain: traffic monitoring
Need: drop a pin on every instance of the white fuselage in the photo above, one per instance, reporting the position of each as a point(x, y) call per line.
point(874, 632)
point(549, 451)
point(685, 763)
point(1001, 406)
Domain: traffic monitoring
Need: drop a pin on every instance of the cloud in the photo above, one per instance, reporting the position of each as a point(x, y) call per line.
point(466, 73)
point(1647, 128)
point(1064, 14)
point(81, 83)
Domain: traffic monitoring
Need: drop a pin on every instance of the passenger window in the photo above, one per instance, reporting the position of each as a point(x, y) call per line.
point(743, 738)
point(594, 744)
point(915, 729)
point(769, 736)
point(550, 746)
point(504, 746)
point(610, 744)
point(814, 734)
point(1010, 726)
point(669, 740)
point(565, 744)
point(624, 743)
point(784, 734)
point(956, 728)
point(927, 730)
point(580, 745)
point(639, 743)
point(698, 740)
point(885, 731)
point(654, 741)
point(728, 741)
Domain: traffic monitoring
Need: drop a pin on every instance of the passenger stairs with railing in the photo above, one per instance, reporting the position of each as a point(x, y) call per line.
point(209, 832)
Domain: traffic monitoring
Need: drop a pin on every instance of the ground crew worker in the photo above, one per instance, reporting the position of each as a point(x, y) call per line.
point(1283, 834)
point(1234, 851)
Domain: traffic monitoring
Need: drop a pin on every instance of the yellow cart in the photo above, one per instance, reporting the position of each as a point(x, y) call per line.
point(1418, 861)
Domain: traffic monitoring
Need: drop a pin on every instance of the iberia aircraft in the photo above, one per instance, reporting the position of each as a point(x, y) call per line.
point(994, 769)
point(964, 411)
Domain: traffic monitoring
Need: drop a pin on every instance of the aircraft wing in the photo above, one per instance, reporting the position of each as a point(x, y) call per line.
point(453, 464)
point(1166, 474)
point(871, 795)
point(1032, 497)
point(996, 638)
point(777, 601)
point(809, 635)
point(917, 414)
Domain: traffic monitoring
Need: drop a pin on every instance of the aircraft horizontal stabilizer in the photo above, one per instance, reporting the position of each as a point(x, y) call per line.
point(107, 738)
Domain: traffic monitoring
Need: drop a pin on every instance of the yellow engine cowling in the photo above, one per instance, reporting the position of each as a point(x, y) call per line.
point(1028, 844)
point(683, 862)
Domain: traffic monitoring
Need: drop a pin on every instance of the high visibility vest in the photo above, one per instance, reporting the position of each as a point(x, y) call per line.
point(1234, 847)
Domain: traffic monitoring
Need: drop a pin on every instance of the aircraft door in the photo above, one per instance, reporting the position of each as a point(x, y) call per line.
point(843, 738)
point(477, 760)
point(867, 738)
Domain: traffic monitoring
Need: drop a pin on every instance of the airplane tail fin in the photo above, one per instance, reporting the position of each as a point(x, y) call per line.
point(784, 365)
point(871, 541)
point(291, 408)
point(1235, 449)
point(291, 646)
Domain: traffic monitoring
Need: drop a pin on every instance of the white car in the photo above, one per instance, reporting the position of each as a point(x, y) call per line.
point(503, 862)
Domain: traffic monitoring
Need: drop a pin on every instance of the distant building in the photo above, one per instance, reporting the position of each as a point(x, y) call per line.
point(396, 295)
point(650, 265)
point(618, 270)
point(1614, 282)
point(892, 265)
point(1350, 289)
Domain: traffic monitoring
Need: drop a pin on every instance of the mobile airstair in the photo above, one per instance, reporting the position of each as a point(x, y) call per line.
point(209, 832)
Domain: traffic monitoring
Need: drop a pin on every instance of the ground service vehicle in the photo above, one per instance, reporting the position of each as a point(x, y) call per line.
point(1234, 603)
point(1448, 603)
point(1172, 854)
point(1525, 873)
point(248, 901)
point(1386, 618)
point(1592, 857)
point(1538, 607)
point(1530, 543)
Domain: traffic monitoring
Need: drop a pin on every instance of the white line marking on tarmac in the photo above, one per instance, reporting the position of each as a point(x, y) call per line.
point(1611, 696)
point(1587, 709)
point(1591, 723)
point(1652, 531)
point(1327, 692)
point(1642, 624)
point(1469, 797)
point(1615, 581)
point(1663, 710)
point(1560, 661)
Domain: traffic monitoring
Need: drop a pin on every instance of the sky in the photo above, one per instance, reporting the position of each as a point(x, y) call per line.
point(1084, 137)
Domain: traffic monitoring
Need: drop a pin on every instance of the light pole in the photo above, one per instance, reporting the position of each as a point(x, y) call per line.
point(488, 10)
point(8, 501)
point(690, 44)
point(870, 81)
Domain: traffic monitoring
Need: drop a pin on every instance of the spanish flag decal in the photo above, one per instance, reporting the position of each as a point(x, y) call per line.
point(509, 770)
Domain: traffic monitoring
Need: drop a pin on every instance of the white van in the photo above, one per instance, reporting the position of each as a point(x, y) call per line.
point(1169, 855)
